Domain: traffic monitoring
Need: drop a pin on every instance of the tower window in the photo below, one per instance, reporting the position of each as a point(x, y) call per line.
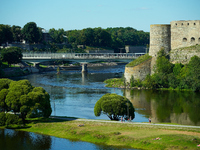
point(176, 24)
point(194, 23)
point(188, 24)
point(182, 24)
point(184, 39)
point(192, 39)
point(199, 39)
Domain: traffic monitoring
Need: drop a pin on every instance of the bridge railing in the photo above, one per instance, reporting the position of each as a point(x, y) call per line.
point(83, 55)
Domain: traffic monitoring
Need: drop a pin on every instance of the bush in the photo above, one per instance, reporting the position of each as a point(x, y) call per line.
point(11, 119)
point(2, 119)
point(139, 60)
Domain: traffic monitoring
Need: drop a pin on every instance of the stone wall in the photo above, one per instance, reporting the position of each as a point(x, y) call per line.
point(183, 55)
point(138, 72)
point(160, 37)
point(185, 33)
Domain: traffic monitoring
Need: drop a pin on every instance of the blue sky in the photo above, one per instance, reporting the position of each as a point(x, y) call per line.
point(80, 14)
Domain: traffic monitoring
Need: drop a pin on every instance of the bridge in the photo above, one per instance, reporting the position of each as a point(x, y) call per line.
point(82, 58)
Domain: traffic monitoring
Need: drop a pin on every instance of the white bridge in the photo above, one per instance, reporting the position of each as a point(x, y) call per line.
point(80, 57)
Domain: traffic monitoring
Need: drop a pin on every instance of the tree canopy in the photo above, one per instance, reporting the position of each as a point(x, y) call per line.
point(31, 33)
point(11, 55)
point(115, 107)
point(21, 97)
point(111, 37)
point(174, 76)
point(5, 34)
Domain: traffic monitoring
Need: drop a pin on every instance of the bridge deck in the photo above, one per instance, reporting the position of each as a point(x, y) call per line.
point(81, 55)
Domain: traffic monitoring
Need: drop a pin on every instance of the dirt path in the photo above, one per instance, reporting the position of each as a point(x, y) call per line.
point(136, 123)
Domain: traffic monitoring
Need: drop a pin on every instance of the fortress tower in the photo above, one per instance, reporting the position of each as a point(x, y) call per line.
point(176, 35)
point(185, 33)
point(160, 37)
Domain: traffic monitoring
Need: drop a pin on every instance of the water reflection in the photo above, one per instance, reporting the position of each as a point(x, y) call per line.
point(167, 106)
point(18, 140)
point(75, 94)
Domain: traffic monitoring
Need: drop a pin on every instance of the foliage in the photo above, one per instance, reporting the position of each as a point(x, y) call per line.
point(5, 34)
point(11, 119)
point(114, 38)
point(4, 83)
point(175, 76)
point(149, 82)
point(12, 55)
point(2, 118)
point(58, 36)
point(114, 106)
point(115, 82)
point(31, 33)
point(21, 97)
point(17, 33)
point(139, 60)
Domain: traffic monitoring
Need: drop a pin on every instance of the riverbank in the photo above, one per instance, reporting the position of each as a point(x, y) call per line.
point(128, 134)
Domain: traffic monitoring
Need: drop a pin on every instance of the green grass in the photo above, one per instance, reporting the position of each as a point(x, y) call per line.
point(139, 60)
point(138, 136)
point(194, 47)
point(115, 82)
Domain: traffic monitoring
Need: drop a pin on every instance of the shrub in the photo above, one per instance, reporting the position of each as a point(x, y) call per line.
point(11, 119)
point(2, 119)
point(139, 60)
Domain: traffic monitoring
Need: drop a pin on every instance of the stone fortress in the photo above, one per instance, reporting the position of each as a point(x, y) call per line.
point(173, 37)
point(176, 35)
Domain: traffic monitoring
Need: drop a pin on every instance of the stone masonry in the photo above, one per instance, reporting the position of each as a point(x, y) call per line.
point(172, 37)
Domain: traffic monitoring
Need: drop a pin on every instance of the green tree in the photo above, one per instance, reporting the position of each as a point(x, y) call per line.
point(4, 83)
point(87, 37)
point(115, 107)
point(21, 97)
point(31, 33)
point(101, 37)
point(11, 119)
point(194, 73)
point(162, 69)
point(3, 94)
point(58, 35)
point(149, 82)
point(5, 34)
point(17, 34)
point(2, 118)
point(12, 55)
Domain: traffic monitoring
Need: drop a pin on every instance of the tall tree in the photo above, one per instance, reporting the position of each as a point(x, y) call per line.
point(12, 55)
point(31, 33)
point(17, 34)
point(58, 35)
point(22, 97)
point(5, 34)
point(115, 107)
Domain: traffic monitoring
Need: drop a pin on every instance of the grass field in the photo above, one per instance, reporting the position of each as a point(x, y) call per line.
point(139, 136)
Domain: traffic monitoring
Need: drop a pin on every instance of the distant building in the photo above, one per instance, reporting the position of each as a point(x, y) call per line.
point(136, 49)
point(46, 36)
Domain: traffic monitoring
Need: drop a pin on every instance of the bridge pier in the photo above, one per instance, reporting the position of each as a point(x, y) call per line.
point(84, 67)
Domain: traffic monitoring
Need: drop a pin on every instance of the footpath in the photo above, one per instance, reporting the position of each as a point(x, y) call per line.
point(127, 122)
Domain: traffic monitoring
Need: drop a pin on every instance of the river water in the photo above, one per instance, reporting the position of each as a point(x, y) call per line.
point(74, 94)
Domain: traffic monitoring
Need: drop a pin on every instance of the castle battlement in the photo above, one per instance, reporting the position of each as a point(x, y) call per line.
point(175, 35)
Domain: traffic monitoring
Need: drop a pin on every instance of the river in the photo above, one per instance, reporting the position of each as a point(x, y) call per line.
point(74, 94)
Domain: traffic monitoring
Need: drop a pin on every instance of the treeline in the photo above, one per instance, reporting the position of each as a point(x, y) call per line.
point(30, 33)
point(111, 37)
point(114, 38)
point(172, 76)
